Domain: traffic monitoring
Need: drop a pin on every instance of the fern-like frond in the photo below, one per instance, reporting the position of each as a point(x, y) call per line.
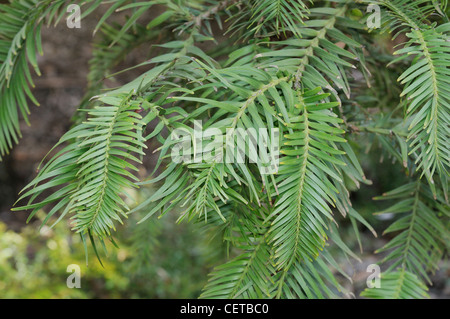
point(421, 231)
point(261, 18)
point(304, 187)
point(402, 15)
point(20, 41)
point(426, 87)
point(246, 276)
point(93, 172)
point(316, 59)
point(400, 284)
point(310, 280)
point(271, 197)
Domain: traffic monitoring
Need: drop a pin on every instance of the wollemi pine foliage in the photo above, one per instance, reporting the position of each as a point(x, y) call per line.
point(304, 68)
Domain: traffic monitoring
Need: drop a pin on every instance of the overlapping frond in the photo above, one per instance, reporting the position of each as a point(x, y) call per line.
point(421, 232)
point(264, 18)
point(305, 191)
point(311, 280)
point(20, 42)
point(400, 284)
point(246, 276)
point(318, 58)
point(94, 170)
point(270, 196)
point(253, 274)
point(426, 86)
point(401, 15)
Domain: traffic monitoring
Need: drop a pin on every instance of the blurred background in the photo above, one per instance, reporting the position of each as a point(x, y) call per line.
point(155, 259)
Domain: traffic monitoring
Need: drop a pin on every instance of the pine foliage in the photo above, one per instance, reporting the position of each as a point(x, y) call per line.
point(398, 285)
point(93, 170)
point(294, 67)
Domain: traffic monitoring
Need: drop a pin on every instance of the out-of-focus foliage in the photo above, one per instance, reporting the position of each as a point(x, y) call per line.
point(311, 72)
point(34, 264)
